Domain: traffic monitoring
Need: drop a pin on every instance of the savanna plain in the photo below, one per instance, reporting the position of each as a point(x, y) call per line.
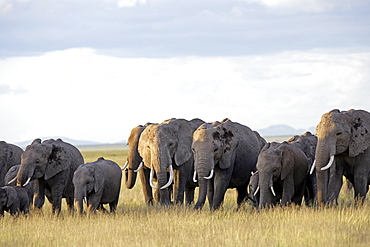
point(135, 224)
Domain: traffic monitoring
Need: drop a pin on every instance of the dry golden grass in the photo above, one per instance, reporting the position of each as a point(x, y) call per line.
point(135, 224)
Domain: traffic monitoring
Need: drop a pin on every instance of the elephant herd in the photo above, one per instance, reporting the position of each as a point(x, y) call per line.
point(176, 156)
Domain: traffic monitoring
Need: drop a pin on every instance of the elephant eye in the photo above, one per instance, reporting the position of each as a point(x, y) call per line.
point(339, 133)
point(37, 161)
point(216, 149)
point(87, 182)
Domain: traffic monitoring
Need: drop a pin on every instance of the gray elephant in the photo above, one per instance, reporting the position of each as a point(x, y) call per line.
point(225, 155)
point(342, 149)
point(51, 165)
point(10, 180)
point(98, 183)
point(13, 199)
point(167, 147)
point(10, 155)
point(282, 170)
point(307, 143)
point(255, 193)
point(135, 165)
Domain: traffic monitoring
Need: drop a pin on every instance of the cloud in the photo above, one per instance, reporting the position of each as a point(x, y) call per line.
point(130, 3)
point(81, 94)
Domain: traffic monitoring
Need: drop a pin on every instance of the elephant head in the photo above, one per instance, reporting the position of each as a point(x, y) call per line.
point(339, 132)
point(134, 160)
point(162, 145)
point(307, 143)
point(213, 145)
point(42, 160)
point(8, 195)
point(87, 179)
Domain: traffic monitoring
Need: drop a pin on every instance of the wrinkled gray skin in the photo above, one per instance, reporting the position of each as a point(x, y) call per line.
point(283, 166)
point(10, 155)
point(51, 165)
point(13, 199)
point(133, 161)
point(99, 182)
point(346, 135)
point(307, 143)
point(166, 144)
point(11, 174)
point(229, 149)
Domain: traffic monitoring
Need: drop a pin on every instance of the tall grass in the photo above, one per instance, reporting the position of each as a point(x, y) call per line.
point(135, 224)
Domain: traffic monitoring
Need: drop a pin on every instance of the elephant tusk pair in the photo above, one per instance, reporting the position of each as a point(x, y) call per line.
point(28, 180)
point(13, 180)
point(138, 169)
point(164, 186)
point(330, 163)
point(209, 177)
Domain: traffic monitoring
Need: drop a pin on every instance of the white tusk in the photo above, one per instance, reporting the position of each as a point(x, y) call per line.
point(151, 179)
point(272, 190)
point(139, 168)
point(313, 167)
point(255, 193)
point(13, 180)
point(210, 176)
point(329, 164)
point(85, 199)
point(124, 167)
point(170, 180)
point(28, 180)
point(195, 176)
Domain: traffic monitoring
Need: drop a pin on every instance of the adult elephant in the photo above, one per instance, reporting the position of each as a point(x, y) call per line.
point(135, 165)
point(282, 166)
point(51, 164)
point(10, 155)
point(225, 155)
point(168, 146)
point(343, 146)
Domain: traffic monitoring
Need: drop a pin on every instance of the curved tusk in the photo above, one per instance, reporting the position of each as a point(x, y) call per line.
point(139, 168)
point(329, 164)
point(125, 166)
point(210, 176)
point(313, 167)
point(170, 180)
point(151, 179)
point(272, 190)
point(13, 180)
point(85, 199)
point(28, 180)
point(195, 176)
point(255, 193)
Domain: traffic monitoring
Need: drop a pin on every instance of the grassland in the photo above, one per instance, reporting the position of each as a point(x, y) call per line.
point(135, 224)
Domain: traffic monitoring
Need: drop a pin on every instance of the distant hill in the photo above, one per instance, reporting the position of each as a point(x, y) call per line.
point(66, 139)
point(283, 130)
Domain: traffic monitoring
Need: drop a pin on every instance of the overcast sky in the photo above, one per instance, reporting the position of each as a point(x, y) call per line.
point(93, 70)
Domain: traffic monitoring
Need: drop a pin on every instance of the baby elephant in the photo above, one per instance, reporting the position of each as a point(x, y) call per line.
point(97, 183)
point(13, 199)
point(11, 177)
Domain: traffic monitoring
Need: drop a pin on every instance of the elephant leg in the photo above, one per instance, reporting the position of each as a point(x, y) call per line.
point(221, 182)
point(360, 185)
point(242, 193)
point(147, 190)
point(288, 191)
point(210, 191)
point(113, 206)
point(70, 204)
point(56, 195)
point(179, 184)
point(335, 181)
point(298, 195)
point(189, 192)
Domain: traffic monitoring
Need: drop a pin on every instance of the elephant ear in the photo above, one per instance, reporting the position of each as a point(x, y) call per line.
point(230, 142)
point(59, 160)
point(98, 178)
point(143, 149)
point(287, 160)
point(11, 195)
point(183, 152)
point(360, 133)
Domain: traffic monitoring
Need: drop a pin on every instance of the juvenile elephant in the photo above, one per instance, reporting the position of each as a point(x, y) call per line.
point(10, 155)
point(13, 199)
point(282, 170)
point(344, 147)
point(255, 193)
point(51, 165)
point(98, 183)
point(168, 146)
point(225, 155)
point(10, 180)
point(134, 165)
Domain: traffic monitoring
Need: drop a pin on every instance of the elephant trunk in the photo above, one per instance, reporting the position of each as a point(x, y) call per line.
point(24, 175)
point(203, 179)
point(163, 192)
point(266, 191)
point(324, 155)
point(79, 197)
point(130, 178)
